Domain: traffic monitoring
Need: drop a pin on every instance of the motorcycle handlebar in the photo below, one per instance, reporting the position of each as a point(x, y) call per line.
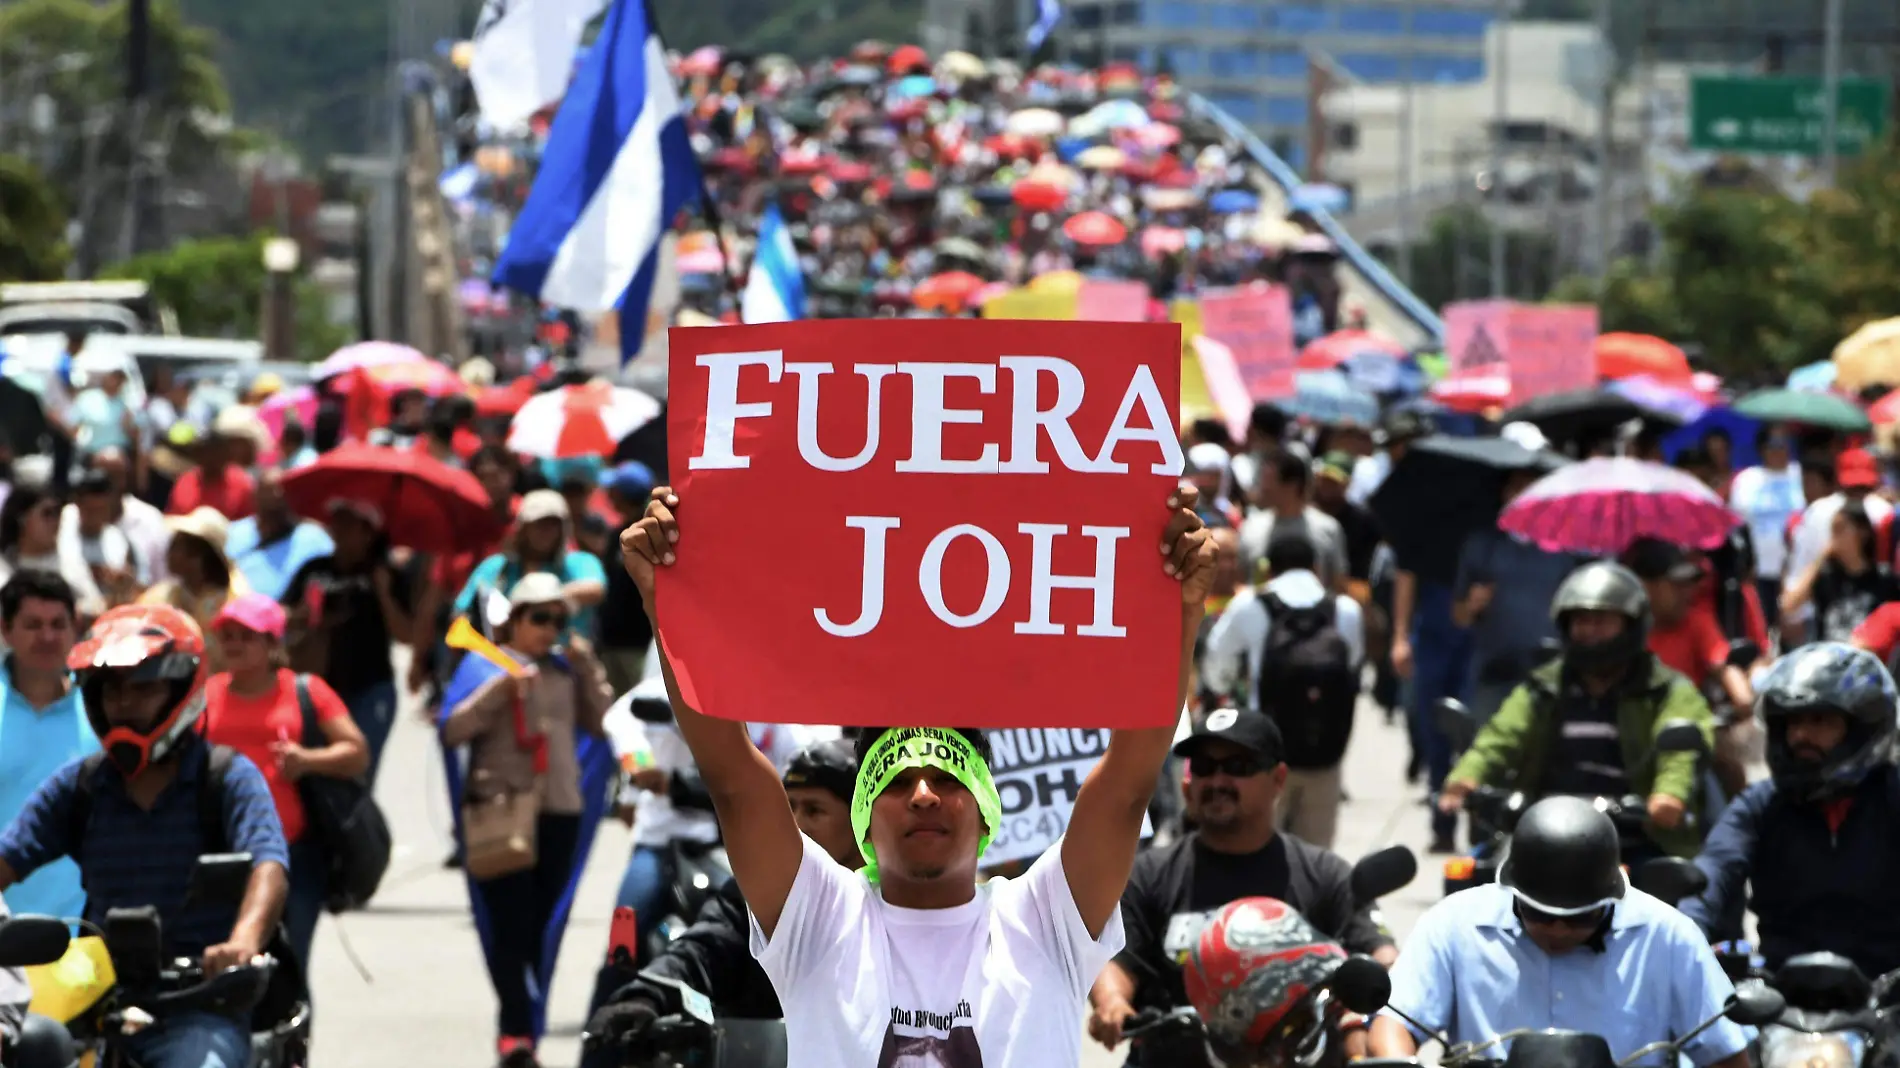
point(1154, 1021)
point(186, 988)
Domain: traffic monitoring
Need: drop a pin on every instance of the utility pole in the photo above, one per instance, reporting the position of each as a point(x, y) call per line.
point(1606, 119)
point(1500, 123)
point(1407, 173)
point(138, 85)
point(1831, 91)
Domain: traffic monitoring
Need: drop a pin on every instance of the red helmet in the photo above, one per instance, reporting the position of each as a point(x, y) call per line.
point(142, 643)
point(1256, 958)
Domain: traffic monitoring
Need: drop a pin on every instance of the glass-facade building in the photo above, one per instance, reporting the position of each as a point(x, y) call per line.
point(1253, 57)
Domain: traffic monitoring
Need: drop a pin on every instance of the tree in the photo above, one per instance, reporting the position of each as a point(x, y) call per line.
point(1761, 282)
point(216, 287)
point(74, 52)
point(33, 226)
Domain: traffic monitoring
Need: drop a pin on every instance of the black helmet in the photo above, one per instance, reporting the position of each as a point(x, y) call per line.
point(1602, 587)
point(1564, 858)
point(1828, 677)
point(829, 765)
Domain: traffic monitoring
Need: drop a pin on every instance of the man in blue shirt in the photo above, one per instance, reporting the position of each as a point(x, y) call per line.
point(270, 547)
point(135, 820)
point(1562, 941)
point(43, 724)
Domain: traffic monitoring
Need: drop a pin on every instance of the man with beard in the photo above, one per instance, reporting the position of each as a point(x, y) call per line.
point(1237, 763)
point(1818, 843)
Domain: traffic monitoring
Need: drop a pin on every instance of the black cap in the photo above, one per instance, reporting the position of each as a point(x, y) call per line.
point(1253, 731)
point(1653, 559)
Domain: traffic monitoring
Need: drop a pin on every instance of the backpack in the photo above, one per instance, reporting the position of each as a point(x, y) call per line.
point(1307, 682)
point(347, 822)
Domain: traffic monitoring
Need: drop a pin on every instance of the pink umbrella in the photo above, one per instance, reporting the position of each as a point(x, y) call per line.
point(1601, 506)
point(701, 261)
point(365, 354)
point(1342, 345)
point(1158, 241)
point(300, 401)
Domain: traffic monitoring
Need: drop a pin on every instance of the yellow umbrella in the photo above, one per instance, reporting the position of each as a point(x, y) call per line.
point(961, 65)
point(1870, 356)
point(1056, 282)
point(1101, 158)
point(1049, 172)
point(1273, 232)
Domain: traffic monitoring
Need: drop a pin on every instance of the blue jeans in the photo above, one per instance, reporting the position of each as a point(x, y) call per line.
point(1441, 657)
point(374, 709)
point(643, 888)
point(308, 870)
point(192, 1040)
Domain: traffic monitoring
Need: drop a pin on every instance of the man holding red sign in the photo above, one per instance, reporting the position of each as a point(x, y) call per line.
point(912, 960)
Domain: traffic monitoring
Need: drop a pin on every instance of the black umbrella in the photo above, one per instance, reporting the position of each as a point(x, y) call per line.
point(1442, 490)
point(1582, 413)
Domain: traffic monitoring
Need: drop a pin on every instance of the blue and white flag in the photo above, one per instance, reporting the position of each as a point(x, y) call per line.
point(775, 292)
point(616, 172)
point(1048, 13)
point(524, 53)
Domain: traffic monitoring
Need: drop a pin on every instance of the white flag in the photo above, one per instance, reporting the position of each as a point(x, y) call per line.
point(524, 55)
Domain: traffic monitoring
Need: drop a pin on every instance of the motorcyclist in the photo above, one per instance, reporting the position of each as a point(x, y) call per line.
point(1560, 940)
point(1818, 843)
point(1248, 973)
point(137, 838)
point(1235, 757)
point(1584, 724)
point(713, 956)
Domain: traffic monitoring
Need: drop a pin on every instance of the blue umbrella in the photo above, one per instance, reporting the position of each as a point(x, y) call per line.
point(1331, 397)
point(1815, 377)
point(1068, 148)
point(1233, 201)
point(914, 85)
point(1385, 374)
point(1315, 198)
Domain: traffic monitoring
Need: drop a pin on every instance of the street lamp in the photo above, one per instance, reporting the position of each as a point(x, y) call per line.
point(280, 261)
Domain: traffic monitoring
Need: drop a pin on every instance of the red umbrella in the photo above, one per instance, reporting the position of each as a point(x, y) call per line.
point(948, 291)
point(424, 503)
point(907, 59)
point(1158, 241)
point(1342, 345)
point(1038, 196)
point(1621, 355)
point(1095, 228)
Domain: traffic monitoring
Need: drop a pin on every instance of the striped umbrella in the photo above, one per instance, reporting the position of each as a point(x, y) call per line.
point(574, 421)
point(1601, 506)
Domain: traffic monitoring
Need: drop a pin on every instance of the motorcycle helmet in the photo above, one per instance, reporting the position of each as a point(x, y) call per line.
point(1252, 966)
point(1602, 587)
point(1564, 858)
point(142, 643)
point(1828, 677)
point(829, 765)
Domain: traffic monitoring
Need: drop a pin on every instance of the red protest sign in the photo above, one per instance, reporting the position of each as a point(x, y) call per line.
point(925, 522)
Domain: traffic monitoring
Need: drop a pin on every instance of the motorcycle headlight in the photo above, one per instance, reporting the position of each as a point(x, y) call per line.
point(1785, 1048)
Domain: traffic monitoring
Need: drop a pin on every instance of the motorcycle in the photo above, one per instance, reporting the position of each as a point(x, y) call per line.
point(1304, 1037)
point(689, 1036)
point(1176, 1036)
point(1494, 811)
point(112, 981)
point(1751, 1005)
point(1835, 1017)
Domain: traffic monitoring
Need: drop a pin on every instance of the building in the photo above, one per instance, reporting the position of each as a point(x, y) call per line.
point(1255, 59)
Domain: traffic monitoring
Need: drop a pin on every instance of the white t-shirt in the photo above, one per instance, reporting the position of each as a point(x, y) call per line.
point(999, 982)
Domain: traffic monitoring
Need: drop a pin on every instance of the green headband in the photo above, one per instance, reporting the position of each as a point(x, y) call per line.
point(901, 748)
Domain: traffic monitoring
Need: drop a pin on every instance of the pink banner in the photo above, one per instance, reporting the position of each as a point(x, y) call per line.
point(1256, 322)
point(1111, 301)
point(1543, 348)
point(1224, 384)
point(1550, 348)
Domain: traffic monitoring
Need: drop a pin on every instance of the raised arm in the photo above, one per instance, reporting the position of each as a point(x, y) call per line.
point(1098, 850)
point(755, 817)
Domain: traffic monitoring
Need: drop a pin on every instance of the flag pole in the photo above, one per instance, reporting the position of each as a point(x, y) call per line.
point(708, 208)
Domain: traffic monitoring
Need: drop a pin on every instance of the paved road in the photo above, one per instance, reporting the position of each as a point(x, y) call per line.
point(426, 999)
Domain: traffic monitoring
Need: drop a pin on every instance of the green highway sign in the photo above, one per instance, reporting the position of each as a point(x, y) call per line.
point(1783, 116)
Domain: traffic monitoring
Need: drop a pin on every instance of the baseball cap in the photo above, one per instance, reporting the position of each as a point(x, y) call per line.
point(254, 612)
point(1207, 458)
point(1335, 465)
point(1653, 559)
point(1856, 469)
point(1253, 731)
point(632, 479)
point(541, 504)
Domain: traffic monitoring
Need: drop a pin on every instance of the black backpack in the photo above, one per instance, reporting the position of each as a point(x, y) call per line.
point(347, 822)
point(1307, 682)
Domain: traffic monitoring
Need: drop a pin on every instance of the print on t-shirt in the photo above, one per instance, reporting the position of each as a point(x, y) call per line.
point(920, 1038)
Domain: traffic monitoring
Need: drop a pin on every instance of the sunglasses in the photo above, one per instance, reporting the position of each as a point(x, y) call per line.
point(1585, 921)
point(546, 619)
point(1238, 767)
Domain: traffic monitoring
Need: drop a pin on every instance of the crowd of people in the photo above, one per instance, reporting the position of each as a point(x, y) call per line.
point(187, 652)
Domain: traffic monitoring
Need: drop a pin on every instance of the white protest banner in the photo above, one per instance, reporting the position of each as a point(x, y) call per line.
point(1038, 772)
